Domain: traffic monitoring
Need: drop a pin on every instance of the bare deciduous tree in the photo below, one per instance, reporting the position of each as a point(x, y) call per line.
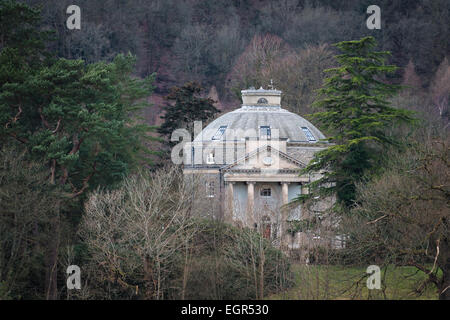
point(27, 209)
point(402, 217)
point(135, 233)
point(297, 73)
point(440, 88)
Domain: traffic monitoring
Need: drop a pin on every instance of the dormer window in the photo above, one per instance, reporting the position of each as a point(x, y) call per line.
point(219, 133)
point(265, 132)
point(262, 101)
point(308, 134)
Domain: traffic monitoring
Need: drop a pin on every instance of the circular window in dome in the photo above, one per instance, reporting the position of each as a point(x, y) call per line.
point(262, 101)
point(268, 161)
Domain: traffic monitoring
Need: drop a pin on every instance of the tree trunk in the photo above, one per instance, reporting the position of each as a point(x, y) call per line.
point(185, 270)
point(51, 278)
point(261, 272)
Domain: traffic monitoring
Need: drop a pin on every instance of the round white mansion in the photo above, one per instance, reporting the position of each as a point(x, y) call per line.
point(250, 161)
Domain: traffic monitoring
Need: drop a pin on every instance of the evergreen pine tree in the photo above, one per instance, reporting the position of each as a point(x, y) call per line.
point(356, 117)
point(80, 119)
point(186, 106)
point(77, 120)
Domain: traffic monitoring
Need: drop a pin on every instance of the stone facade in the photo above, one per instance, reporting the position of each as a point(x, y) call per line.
point(251, 159)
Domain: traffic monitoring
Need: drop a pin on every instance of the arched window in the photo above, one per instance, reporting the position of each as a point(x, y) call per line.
point(262, 101)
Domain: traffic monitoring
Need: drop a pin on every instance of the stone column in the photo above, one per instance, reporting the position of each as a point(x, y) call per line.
point(284, 191)
point(284, 214)
point(229, 203)
point(250, 203)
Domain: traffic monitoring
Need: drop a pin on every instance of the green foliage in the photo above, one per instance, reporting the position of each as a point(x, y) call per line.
point(78, 116)
point(80, 123)
point(356, 117)
point(187, 107)
point(80, 119)
point(20, 29)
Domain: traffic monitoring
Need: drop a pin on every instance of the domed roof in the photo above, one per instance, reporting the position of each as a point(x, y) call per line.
point(261, 110)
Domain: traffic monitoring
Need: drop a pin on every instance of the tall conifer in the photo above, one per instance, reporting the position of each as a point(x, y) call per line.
point(356, 117)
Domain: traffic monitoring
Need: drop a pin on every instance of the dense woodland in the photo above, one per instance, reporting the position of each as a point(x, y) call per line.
point(213, 42)
point(86, 117)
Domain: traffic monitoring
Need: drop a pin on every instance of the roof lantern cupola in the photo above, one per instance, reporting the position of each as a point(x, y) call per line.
point(261, 97)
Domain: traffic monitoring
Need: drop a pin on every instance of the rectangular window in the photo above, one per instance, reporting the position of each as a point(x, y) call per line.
point(219, 133)
point(266, 192)
point(210, 158)
point(308, 134)
point(265, 132)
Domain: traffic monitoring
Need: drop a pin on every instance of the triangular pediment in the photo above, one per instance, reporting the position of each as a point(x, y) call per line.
point(263, 158)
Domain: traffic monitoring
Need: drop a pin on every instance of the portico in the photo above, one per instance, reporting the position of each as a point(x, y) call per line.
point(264, 197)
